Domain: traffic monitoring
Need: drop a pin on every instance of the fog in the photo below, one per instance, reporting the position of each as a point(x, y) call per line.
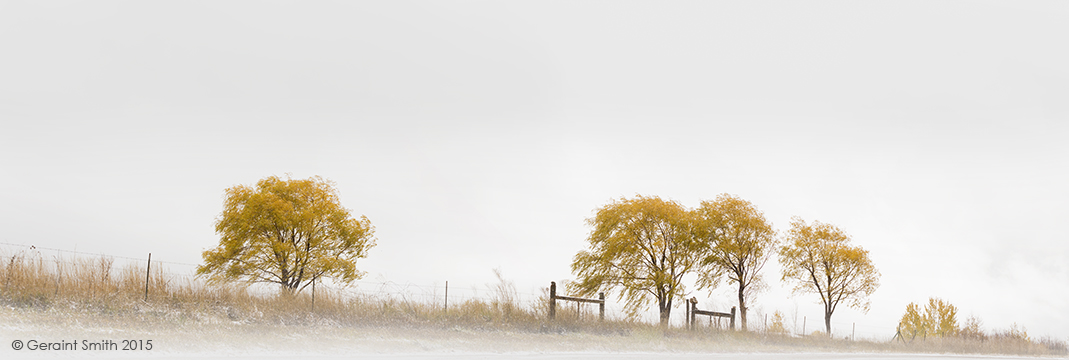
point(480, 135)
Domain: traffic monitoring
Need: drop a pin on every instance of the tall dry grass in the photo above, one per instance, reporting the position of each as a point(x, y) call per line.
point(989, 345)
point(97, 285)
point(90, 286)
point(98, 290)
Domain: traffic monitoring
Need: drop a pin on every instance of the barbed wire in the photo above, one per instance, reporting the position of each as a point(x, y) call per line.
point(35, 247)
point(385, 287)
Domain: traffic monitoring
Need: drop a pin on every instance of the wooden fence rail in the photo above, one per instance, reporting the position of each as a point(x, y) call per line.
point(693, 312)
point(553, 297)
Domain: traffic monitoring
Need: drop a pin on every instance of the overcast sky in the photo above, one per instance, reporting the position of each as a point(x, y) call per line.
point(480, 135)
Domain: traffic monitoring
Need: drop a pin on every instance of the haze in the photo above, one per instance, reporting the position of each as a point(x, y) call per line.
point(481, 135)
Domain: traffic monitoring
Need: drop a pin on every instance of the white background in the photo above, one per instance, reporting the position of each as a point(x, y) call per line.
point(481, 135)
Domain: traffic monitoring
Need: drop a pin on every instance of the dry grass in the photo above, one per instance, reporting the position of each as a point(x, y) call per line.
point(96, 286)
point(95, 291)
point(987, 346)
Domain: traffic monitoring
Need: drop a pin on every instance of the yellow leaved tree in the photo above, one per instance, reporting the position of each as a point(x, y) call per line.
point(943, 316)
point(737, 241)
point(914, 323)
point(287, 232)
point(643, 246)
point(819, 259)
point(940, 319)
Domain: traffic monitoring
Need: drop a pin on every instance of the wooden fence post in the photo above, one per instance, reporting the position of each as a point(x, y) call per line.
point(148, 270)
point(732, 318)
point(601, 307)
point(553, 297)
point(447, 296)
point(693, 304)
point(686, 319)
point(552, 300)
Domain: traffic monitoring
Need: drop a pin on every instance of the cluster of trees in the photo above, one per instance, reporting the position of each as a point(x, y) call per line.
point(295, 232)
point(939, 318)
point(644, 247)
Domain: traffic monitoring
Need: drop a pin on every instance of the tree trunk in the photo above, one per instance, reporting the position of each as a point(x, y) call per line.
point(742, 306)
point(287, 291)
point(827, 322)
point(665, 306)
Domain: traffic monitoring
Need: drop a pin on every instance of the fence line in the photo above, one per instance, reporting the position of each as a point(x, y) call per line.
point(432, 294)
point(65, 260)
point(39, 248)
point(553, 297)
point(693, 312)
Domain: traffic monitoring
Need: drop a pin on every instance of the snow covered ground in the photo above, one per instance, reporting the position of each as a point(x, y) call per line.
point(347, 343)
point(514, 356)
point(213, 338)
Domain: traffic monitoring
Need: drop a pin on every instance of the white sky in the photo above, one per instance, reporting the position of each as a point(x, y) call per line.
point(480, 135)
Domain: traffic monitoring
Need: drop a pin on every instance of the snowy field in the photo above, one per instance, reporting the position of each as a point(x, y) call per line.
point(522, 356)
point(213, 338)
point(298, 342)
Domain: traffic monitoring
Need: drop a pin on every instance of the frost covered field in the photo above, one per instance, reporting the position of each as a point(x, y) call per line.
point(462, 179)
point(209, 338)
point(194, 321)
point(569, 356)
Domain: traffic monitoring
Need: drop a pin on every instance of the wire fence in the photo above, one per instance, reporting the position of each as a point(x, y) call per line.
point(442, 294)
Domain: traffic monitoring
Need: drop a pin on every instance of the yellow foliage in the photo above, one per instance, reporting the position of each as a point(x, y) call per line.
point(914, 323)
point(943, 317)
point(777, 326)
point(939, 319)
point(819, 259)
point(287, 232)
point(737, 241)
point(642, 245)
